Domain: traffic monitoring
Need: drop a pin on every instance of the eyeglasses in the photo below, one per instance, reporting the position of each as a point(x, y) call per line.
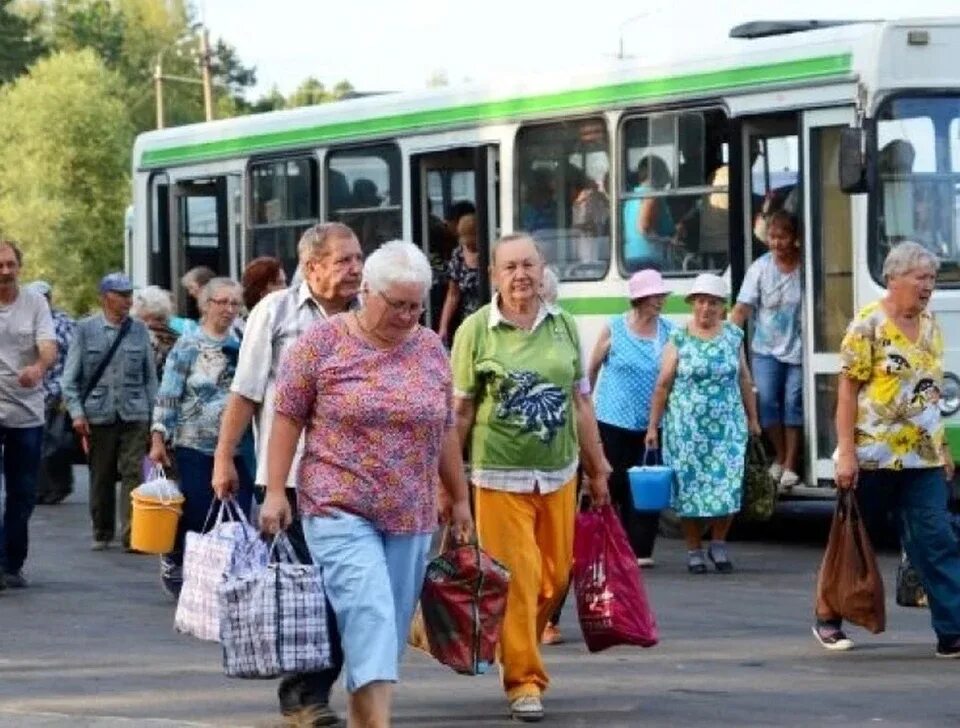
point(414, 309)
point(226, 302)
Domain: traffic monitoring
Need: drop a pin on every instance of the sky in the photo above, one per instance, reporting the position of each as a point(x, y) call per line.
point(396, 45)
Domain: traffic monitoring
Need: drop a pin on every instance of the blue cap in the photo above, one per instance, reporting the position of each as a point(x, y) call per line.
point(117, 282)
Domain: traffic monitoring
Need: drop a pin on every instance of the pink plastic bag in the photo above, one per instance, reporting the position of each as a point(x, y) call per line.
point(611, 602)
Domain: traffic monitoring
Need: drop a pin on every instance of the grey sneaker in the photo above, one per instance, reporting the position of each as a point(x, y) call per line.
point(100, 546)
point(171, 577)
point(527, 708)
point(695, 562)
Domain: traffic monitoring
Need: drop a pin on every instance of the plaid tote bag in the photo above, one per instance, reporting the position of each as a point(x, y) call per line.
point(231, 546)
point(274, 620)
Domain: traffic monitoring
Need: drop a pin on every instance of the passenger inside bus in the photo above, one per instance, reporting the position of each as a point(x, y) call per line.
point(648, 225)
point(894, 163)
point(539, 210)
point(589, 218)
point(463, 279)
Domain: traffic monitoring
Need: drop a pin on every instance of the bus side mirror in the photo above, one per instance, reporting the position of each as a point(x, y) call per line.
point(853, 160)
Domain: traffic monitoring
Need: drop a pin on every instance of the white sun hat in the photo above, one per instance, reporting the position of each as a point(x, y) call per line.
point(709, 284)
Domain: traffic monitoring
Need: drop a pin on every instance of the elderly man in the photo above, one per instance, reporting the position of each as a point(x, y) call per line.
point(109, 384)
point(331, 265)
point(27, 349)
point(56, 469)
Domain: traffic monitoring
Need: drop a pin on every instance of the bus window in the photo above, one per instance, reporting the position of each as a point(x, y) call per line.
point(673, 202)
point(562, 178)
point(285, 202)
point(918, 190)
point(364, 192)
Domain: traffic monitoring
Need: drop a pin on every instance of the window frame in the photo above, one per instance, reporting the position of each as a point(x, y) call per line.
point(622, 195)
point(517, 203)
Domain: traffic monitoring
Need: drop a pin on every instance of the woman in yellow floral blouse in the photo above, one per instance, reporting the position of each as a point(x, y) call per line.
point(890, 436)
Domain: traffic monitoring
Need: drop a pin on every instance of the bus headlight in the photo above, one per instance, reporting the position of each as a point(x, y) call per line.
point(950, 395)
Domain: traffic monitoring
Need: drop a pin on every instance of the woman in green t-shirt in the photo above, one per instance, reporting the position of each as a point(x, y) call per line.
point(523, 407)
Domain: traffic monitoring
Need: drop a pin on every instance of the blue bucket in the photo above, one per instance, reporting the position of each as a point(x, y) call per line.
point(651, 486)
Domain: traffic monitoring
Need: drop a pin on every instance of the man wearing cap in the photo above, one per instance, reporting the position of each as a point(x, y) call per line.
point(27, 349)
point(109, 385)
point(56, 469)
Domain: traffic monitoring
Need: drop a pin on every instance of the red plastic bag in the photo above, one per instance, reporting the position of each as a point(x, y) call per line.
point(611, 601)
point(463, 600)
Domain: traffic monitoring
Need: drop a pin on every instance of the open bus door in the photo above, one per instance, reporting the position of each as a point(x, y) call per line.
point(829, 281)
point(439, 180)
point(205, 224)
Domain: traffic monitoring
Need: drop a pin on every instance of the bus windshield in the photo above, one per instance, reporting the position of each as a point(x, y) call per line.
point(918, 165)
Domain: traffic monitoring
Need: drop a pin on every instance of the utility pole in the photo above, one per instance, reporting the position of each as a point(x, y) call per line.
point(158, 86)
point(205, 73)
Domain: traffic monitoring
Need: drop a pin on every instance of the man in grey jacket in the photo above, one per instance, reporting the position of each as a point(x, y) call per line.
point(110, 405)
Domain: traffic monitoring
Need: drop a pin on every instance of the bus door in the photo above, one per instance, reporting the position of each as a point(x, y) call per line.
point(829, 282)
point(440, 182)
point(204, 222)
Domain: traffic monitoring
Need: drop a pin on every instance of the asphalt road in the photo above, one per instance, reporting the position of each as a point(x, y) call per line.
point(91, 644)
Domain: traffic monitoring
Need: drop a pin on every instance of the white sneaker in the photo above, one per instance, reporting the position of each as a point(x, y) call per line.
point(776, 471)
point(789, 479)
point(645, 562)
point(527, 708)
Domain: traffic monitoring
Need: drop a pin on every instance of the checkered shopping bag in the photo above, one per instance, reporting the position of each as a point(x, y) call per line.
point(232, 546)
point(274, 620)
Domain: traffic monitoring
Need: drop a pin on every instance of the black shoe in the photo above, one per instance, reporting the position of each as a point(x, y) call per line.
point(57, 498)
point(949, 649)
point(832, 638)
point(171, 577)
point(3, 582)
point(721, 562)
point(16, 580)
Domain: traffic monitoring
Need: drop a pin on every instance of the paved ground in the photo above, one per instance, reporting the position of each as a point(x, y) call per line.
point(90, 644)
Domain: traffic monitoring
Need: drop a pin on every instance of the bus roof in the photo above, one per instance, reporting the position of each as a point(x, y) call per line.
point(822, 55)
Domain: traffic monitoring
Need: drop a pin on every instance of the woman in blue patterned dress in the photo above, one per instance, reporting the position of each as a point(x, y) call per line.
point(704, 396)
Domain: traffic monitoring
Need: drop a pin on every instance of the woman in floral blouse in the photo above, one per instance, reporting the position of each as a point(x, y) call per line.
point(372, 388)
point(193, 392)
point(890, 436)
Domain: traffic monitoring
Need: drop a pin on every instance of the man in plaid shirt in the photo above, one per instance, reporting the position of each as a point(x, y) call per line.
point(56, 469)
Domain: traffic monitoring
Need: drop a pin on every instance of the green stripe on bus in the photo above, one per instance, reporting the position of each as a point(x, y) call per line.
point(953, 441)
point(611, 305)
point(508, 109)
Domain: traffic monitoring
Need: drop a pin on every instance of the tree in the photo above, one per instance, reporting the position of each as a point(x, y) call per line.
point(312, 91)
point(130, 36)
point(20, 41)
point(64, 172)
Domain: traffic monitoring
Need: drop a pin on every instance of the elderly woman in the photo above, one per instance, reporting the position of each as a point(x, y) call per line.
point(627, 360)
point(523, 406)
point(154, 306)
point(772, 293)
point(372, 387)
point(190, 402)
point(704, 400)
point(890, 436)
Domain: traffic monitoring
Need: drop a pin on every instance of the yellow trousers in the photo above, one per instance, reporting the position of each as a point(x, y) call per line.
point(532, 535)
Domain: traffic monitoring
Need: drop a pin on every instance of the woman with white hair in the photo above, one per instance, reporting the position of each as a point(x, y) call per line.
point(190, 402)
point(372, 389)
point(890, 436)
point(154, 306)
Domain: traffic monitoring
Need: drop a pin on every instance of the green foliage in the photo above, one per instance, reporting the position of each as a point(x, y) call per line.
point(20, 42)
point(312, 91)
point(64, 172)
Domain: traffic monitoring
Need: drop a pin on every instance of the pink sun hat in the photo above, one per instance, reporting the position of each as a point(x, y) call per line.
point(646, 282)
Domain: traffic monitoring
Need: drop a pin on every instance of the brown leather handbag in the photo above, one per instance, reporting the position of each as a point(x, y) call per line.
point(849, 585)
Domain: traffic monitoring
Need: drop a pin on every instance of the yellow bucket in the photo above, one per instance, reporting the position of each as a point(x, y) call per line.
point(153, 525)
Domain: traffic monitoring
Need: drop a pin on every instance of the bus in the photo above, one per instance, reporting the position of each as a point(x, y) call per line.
point(811, 116)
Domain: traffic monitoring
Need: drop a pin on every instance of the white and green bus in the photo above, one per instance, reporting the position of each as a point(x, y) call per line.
point(770, 118)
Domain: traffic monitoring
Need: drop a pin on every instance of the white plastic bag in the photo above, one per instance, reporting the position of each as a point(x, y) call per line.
point(157, 486)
